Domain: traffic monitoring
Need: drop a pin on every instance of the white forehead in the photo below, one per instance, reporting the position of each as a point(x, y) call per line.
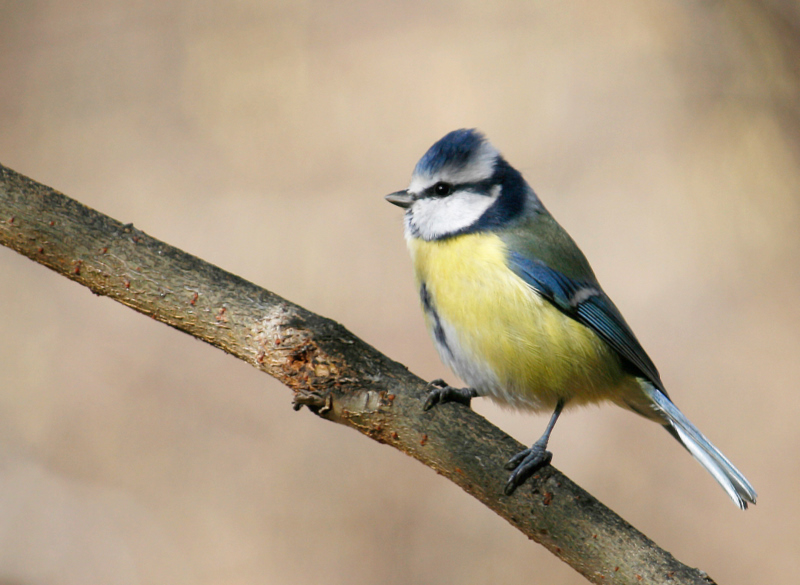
point(479, 167)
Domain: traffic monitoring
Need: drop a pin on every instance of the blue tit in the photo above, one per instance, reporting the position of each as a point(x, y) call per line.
point(515, 310)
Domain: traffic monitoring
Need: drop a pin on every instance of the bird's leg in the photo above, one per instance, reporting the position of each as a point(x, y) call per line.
point(527, 462)
point(439, 393)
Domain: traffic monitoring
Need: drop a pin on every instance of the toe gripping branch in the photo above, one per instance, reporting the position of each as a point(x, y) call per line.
point(522, 465)
point(525, 463)
point(440, 392)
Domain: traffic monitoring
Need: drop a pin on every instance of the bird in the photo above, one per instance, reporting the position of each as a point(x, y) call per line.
point(515, 310)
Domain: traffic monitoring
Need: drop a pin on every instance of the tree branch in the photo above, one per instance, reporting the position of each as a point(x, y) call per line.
point(337, 375)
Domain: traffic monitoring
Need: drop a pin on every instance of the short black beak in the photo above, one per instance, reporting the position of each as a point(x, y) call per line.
point(401, 198)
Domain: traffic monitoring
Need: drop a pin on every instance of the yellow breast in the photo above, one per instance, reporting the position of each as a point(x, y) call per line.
point(501, 337)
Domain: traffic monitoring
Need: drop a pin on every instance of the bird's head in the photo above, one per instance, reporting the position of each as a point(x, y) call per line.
point(461, 185)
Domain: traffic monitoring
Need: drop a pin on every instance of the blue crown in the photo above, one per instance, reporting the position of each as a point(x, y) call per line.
point(455, 149)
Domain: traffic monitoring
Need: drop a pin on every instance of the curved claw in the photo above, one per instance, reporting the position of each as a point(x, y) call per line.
point(439, 392)
point(525, 464)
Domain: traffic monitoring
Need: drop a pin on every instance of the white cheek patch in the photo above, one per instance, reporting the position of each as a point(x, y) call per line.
point(434, 217)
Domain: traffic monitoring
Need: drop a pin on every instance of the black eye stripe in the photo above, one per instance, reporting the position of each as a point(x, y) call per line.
point(443, 188)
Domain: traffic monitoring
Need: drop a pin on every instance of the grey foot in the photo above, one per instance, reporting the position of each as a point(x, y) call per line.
point(525, 464)
point(439, 393)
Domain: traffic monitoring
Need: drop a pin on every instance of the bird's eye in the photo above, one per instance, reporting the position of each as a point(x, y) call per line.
point(442, 189)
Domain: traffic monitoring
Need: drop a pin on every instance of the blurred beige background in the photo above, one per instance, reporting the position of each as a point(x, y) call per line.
point(261, 136)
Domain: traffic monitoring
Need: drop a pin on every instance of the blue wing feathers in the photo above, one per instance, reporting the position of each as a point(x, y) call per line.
point(585, 301)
